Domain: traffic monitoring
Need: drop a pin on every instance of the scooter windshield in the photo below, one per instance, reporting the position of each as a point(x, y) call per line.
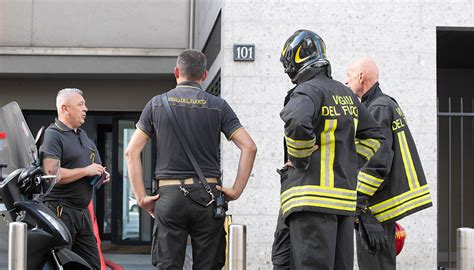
point(17, 145)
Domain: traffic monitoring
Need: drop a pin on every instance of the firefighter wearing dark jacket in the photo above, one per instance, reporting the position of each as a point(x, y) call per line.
point(394, 194)
point(322, 120)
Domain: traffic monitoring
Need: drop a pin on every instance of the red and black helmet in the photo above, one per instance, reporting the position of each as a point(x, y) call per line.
point(302, 50)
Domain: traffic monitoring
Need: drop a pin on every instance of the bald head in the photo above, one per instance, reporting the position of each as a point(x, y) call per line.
point(362, 74)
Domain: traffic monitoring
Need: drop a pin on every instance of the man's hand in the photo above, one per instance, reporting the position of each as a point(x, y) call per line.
point(230, 194)
point(148, 203)
point(107, 177)
point(94, 169)
point(372, 233)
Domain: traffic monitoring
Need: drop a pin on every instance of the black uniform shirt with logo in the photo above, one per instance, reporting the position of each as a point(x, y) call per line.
point(74, 150)
point(201, 117)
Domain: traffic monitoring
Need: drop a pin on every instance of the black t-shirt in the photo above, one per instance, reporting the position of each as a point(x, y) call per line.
point(201, 117)
point(74, 150)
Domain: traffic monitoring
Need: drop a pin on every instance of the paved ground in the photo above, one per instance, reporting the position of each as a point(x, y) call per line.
point(131, 261)
point(127, 261)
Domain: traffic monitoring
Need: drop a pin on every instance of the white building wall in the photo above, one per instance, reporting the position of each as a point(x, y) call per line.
point(399, 35)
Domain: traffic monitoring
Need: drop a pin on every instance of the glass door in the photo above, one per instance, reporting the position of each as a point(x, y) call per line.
point(132, 225)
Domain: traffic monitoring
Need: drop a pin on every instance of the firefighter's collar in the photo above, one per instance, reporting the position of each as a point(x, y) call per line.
point(371, 92)
point(190, 84)
point(312, 72)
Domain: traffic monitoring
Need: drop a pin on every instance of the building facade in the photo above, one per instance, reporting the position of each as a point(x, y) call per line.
point(122, 53)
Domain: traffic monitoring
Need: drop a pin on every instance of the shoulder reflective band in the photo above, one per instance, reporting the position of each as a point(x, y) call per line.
point(317, 196)
point(367, 183)
point(407, 161)
point(328, 149)
point(299, 148)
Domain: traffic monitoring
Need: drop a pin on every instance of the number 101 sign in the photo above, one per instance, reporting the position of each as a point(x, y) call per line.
point(244, 52)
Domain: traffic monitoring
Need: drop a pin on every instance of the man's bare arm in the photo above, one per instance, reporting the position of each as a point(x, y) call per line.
point(71, 175)
point(134, 164)
point(248, 150)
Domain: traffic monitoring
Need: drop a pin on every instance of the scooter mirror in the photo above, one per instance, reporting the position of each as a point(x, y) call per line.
point(39, 137)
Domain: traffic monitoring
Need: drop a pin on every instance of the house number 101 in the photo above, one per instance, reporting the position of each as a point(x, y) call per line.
point(244, 52)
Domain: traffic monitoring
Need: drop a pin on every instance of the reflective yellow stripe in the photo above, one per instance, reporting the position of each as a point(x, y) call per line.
point(339, 193)
point(366, 189)
point(426, 199)
point(356, 123)
point(364, 151)
point(369, 179)
point(400, 199)
point(328, 148)
point(298, 144)
point(299, 153)
point(410, 171)
point(373, 144)
point(318, 202)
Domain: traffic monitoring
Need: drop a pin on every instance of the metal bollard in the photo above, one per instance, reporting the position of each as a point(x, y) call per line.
point(465, 248)
point(17, 246)
point(237, 247)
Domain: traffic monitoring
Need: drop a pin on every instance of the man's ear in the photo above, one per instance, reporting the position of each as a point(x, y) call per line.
point(176, 73)
point(361, 78)
point(64, 108)
point(204, 75)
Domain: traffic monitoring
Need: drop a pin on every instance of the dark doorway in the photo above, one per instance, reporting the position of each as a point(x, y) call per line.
point(455, 85)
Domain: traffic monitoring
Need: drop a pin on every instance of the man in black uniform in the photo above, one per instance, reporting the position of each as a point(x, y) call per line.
point(202, 117)
point(80, 164)
point(401, 189)
point(322, 120)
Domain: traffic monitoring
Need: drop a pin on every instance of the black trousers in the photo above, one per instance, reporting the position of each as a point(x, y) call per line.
point(79, 223)
point(321, 241)
point(384, 259)
point(281, 251)
point(176, 217)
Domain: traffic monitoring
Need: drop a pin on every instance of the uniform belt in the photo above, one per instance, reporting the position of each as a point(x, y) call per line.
point(187, 181)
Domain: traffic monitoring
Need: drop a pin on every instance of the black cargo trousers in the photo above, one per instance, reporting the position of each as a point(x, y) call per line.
point(176, 216)
point(79, 224)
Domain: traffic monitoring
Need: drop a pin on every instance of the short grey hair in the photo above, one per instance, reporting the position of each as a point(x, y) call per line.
point(191, 64)
point(63, 94)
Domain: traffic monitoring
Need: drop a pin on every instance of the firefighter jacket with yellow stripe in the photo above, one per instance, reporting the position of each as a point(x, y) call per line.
point(402, 190)
point(326, 113)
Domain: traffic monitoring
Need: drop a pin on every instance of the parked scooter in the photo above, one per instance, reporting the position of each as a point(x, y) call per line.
point(22, 189)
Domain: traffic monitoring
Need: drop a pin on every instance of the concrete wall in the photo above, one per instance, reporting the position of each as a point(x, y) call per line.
point(206, 12)
point(94, 23)
point(399, 35)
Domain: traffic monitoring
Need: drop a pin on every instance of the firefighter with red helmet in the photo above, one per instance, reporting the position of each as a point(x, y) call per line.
point(385, 198)
point(323, 119)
